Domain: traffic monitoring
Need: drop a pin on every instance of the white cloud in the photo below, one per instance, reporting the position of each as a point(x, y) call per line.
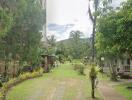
point(116, 3)
point(63, 12)
point(68, 11)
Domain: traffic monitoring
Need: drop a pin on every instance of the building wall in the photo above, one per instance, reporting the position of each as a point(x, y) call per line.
point(120, 63)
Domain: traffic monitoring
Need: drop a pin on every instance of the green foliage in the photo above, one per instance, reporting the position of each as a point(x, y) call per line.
point(79, 68)
point(98, 11)
point(52, 40)
point(104, 38)
point(93, 71)
point(51, 49)
point(69, 58)
point(21, 22)
point(5, 22)
point(113, 38)
point(93, 75)
point(113, 30)
point(77, 45)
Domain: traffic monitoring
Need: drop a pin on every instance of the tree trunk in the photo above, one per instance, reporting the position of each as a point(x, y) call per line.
point(113, 72)
point(46, 69)
point(5, 72)
point(93, 87)
point(93, 40)
point(14, 69)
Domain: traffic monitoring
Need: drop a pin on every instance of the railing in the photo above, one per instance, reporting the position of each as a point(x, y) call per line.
point(126, 68)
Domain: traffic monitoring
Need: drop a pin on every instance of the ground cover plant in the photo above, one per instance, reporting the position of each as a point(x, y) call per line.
point(14, 81)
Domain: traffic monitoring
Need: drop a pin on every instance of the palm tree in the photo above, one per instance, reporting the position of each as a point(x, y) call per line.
point(52, 41)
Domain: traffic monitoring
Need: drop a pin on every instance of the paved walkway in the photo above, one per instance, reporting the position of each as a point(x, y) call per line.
point(108, 92)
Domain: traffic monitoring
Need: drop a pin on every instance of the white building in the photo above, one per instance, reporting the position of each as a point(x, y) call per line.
point(122, 66)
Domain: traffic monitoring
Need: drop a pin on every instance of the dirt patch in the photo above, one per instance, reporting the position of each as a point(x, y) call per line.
point(71, 82)
point(37, 94)
point(58, 94)
point(80, 91)
point(50, 97)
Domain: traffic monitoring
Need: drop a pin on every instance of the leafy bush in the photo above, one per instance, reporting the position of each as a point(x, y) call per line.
point(80, 68)
point(93, 72)
point(76, 66)
point(14, 81)
point(93, 77)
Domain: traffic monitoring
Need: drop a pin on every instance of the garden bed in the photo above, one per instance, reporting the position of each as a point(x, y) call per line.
point(14, 81)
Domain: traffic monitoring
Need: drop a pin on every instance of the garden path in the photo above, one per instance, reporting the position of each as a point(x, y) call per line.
point(63, 83)
point(108, 92)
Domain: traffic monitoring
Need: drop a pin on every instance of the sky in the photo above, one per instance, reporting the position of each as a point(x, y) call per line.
point(64, 16)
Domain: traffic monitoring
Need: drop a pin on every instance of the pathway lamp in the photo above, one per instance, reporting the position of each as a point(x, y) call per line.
point(102, 63)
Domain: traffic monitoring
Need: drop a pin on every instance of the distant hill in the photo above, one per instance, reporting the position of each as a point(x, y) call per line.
point(67, 41)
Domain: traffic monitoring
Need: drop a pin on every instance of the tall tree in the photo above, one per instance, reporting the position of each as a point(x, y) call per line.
point(52, 40)
point(23, 37)
point(93, 18)
point(75, 43)
point(114, 33)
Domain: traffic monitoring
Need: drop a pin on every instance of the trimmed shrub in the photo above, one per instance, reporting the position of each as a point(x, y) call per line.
point(80, 68)
point(14, 81)
point(93, 75)
point(76, 66)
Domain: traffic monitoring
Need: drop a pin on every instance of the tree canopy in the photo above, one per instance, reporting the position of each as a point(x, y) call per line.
point(114, 32)
point(21, 21)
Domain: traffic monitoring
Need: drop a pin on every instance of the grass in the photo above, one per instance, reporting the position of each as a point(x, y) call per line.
point(124, 91)
point(61, 81)
point(121, 89)
point(23, 90)
point(64, 71)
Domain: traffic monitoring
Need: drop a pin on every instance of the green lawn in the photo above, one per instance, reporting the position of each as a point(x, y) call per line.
point(62, 83)
point(124, 91)
point(121, 89)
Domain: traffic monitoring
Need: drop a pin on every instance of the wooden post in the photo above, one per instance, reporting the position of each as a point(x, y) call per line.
point(46, 64)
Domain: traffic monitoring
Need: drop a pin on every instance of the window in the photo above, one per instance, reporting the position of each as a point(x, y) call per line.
point(128, 61)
